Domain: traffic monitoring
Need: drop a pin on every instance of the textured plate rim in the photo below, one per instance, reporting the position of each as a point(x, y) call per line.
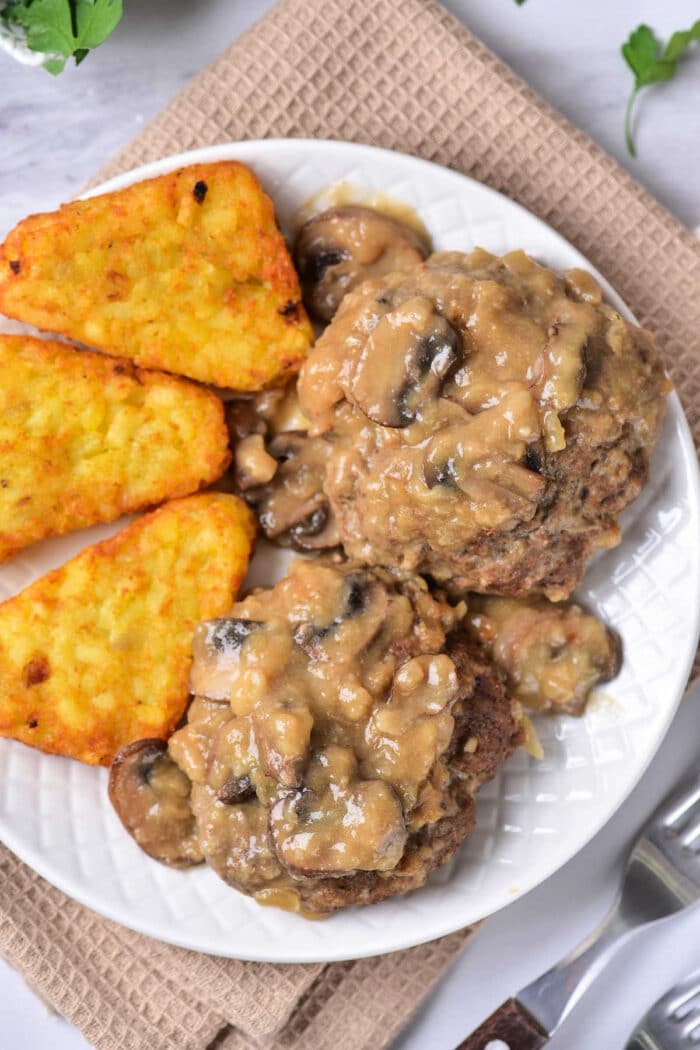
point(246, 151)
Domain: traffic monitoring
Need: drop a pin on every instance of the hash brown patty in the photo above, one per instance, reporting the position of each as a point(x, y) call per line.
point(186, 272)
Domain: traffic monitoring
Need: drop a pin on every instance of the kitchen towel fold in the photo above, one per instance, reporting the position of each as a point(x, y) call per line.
point(406, 75)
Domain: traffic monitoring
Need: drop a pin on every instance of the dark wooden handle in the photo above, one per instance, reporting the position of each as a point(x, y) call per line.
point(512, 1025)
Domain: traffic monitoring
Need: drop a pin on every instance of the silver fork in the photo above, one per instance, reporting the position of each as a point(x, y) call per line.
point(662, 877)
point(673, 1023)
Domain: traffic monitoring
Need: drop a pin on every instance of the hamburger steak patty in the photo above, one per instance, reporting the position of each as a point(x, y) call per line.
point(479, 420)
point(340, 729)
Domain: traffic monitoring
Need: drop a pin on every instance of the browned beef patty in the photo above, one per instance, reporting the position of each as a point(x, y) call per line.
point(342, 725)
point(478, 420)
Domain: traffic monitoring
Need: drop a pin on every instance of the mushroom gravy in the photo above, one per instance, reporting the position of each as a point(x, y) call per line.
point(480, 420)
point(341, 725)
point(337, 723)
point(551, 654)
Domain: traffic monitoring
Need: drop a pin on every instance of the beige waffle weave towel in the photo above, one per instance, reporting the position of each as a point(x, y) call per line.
point(402, 74)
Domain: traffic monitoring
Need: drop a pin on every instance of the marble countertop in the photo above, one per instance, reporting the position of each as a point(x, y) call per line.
point(56, 132)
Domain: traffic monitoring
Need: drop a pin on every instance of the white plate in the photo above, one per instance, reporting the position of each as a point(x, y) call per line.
point(54, 812)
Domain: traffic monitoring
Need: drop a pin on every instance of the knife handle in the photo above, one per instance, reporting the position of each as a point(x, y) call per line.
point(510, 1024)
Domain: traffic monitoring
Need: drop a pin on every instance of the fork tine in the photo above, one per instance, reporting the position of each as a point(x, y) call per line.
point(680, 808)
point(680, 1006)
point(689, 833)
point(682, 992)
point(673, 1020)
point(692, 1029)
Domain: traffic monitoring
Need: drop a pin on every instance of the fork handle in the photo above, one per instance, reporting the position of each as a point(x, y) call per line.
point(512, 1025)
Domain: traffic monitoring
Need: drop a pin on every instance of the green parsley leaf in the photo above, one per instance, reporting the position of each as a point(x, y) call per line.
point(650, 65)
point(64, 28)
point(680, 41)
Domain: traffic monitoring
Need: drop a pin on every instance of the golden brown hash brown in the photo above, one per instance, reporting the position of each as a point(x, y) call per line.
point(86, 438)
point(97, 654)
point(187, 273)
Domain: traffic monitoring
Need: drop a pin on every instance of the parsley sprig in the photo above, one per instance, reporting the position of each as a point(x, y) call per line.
point(64, 28)
point(651, 64)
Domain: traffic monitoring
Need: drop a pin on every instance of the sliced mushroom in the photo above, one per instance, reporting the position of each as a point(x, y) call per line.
point(483, 457)
point(253, 463)
point(306, 525)
point(293, 509)
point(268, 413)
point(494, 481)
point(315, 529)
point(358, 617)
point(244, 419)
point(290, 445)
point(340, 823)
point(496, 439)
point(405, 361)
point(283, 734)
point(235, 790)
point(344, 246)
point(496, 486)
point(151, 796)
point(235, 840)
point(216, 649)
point(344, 596)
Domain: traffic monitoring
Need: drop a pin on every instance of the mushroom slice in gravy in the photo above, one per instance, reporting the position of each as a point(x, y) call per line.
point(235, 790)
point(305, 826)
point(405, 361)
point(217, 646)
point(151, 795)
point(292, 507)
point(235, 840)
point(282, 726)
point(358, 616)
point(343, 246)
